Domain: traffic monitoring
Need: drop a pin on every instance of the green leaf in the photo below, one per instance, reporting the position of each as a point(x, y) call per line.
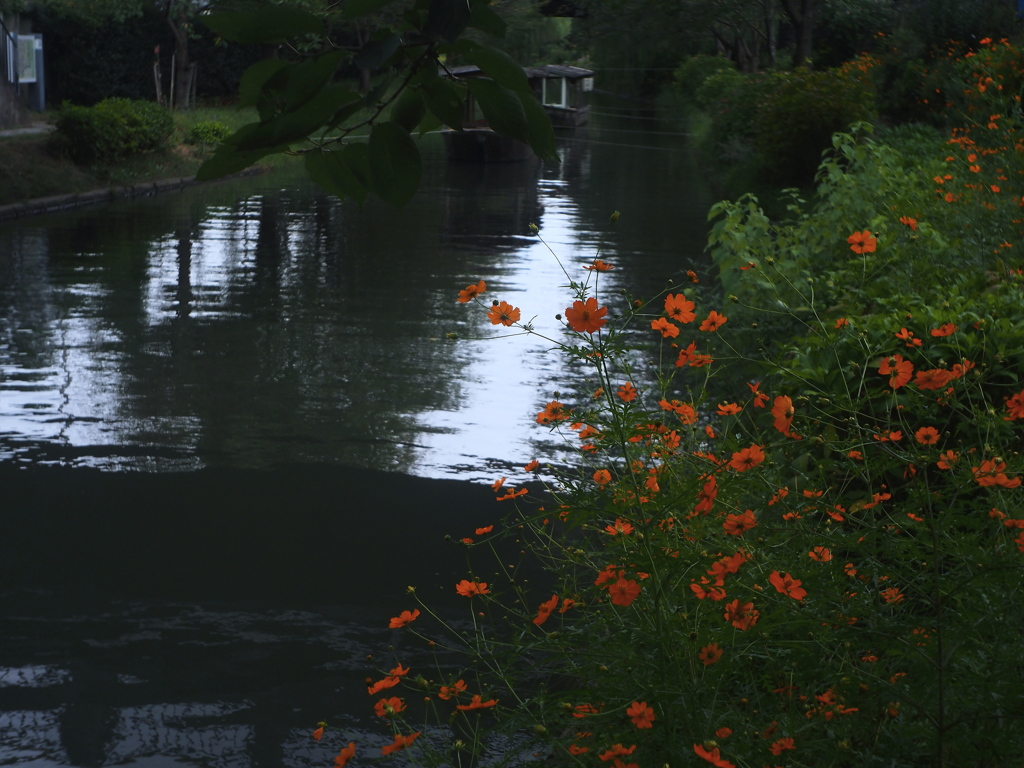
point(342, 172)
point(376, 52)
point(482, 17)
point(255, 76)
point(394, 163)
point(502, 107)
point(429, 123)
point(295, 84)
point(539, 132)
point(356, 8)
point(408, 108)
point(264, 24)
point(496, 64)
point(228, 160)
point(446, 100)
point(446, 19)
point(297, 124)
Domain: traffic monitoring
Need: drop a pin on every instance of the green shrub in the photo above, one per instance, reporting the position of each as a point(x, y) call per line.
point(113, 128)
point(207, 132)
point(795, 124)
point(693, 73)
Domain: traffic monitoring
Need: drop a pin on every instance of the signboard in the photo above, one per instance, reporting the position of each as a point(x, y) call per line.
point(27, 46)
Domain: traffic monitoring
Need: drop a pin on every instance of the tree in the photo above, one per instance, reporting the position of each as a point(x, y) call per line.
point(353, 142)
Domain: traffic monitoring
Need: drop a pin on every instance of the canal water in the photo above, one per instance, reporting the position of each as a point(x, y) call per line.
point(234, 428)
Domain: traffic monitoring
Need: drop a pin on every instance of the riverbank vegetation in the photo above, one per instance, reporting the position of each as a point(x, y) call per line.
point(37, 165)
point(792, 535)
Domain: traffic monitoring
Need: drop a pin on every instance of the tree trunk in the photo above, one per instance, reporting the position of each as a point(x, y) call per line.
point(177, 20)
point(801, 16)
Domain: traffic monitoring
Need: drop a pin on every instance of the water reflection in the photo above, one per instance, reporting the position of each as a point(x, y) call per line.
point(260, 322)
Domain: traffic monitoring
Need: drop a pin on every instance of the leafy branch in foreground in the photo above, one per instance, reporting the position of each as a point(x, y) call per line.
point(355, 143)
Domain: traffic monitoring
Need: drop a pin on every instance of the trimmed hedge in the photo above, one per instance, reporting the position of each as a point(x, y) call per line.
point(113, 128)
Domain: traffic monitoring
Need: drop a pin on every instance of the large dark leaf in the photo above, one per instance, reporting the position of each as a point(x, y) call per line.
point(297, 124)
point(295, 84)
point(229, 159)
point(446, 100)
point(446, 19)
point(263, 24)
point(376, 52)
point(539, 132)
point(496, 64)
point(482, 17)
point(255, 76)
point(408, 108)
point(502, 107)
point(340, 171)
point(394, 163)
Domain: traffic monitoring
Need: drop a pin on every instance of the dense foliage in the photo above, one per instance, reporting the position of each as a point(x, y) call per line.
point(113, 128)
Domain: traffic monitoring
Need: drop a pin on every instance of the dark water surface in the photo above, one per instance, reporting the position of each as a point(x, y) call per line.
point(232, 430)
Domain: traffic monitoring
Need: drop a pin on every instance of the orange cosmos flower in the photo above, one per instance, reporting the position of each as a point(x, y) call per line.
point(503, 313)
point(620, 526)
point(627, 392)
point(782, 744)
point(991, 472)
point(936, 378)
point(729, 409)
point(862, 242)
point(641, 714)
point(892, 595)
point(1015, 406)
point(783, 412)
point(897, 368)
point(388, 682)
point(737, 525)
point(616, 750)
point(513, 494)
point(318, 733)
point(586, 317)
point(909, 222)
point(821, 554)
point(553, 411)
point(576, 749)
point(687, 414)
point(531, 467)
point(890, 436)
point(679, 308)
point(713, 321)
point(399, 671)
point(346, 754)
point(724, 732)
point(404, 618)
point(484, 530)
point(787, 585)
point(602, 477)
point(623, 592)
point(668, 330)
point(401, 742)
point(388, 707)
point(947, 460)
point(599, 266)
point(927, 435)
point(746, 459)
point(946, 329)
point(476, 703)
point(742, 616)
point(842, 322)
point(710, 654)
point(545, 610)
point(471, 291)
point(713, 756)
point(468, 588)
point(448, 691)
